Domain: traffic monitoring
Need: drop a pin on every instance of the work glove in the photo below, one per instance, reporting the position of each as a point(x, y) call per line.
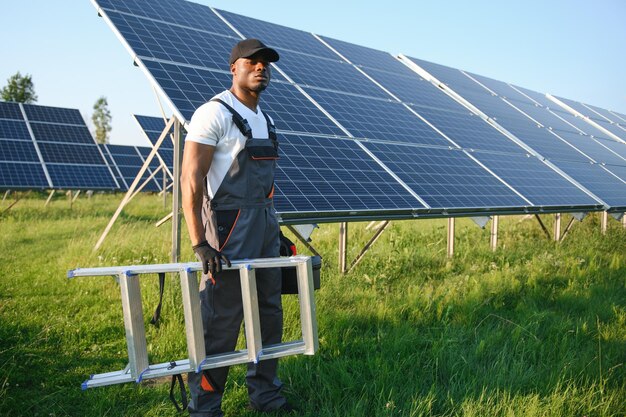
point(210, 258)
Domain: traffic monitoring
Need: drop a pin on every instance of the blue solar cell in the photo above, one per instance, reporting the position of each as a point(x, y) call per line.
point(447, 75)
point(413, 89)
point(152, 128)
point(124, 150)
point(534, 180)
point(278, 36)
point(591, 148)
point(614, 129)
point(579, 107)
point(604, 113)
point(183, 13)
point(617, 170)
point(188, 88)
point(10, 110)
point(317, 174)
point(70, 154)
point(36, 113)
point(620, 117)
point(368, 57)
point(468, 131)
point(93, 177)
point(445, 178)
point(22, 175)
point(17, 150)
point(14, 129)
point(543, 116)
point(598, 181)
point(152, 39)
point(617, 147)
point(377, 119)
point(62, 133)
point(331, 74)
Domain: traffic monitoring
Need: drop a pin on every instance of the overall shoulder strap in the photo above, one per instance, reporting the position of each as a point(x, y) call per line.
point(271, 130)
point(238, 120)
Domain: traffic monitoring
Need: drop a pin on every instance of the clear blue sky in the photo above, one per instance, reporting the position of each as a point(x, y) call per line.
point(572, 48)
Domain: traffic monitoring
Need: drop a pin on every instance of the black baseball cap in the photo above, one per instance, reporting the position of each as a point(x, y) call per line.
point(249, 47)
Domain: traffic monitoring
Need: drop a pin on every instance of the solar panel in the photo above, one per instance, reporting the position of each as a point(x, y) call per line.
point(593, 177)
point(69, 152)
point(586, 111)
point(366, 117)
point(129, 161)
point(319, 174)
point(445, 178)
point(277, 36)
point(60, 146)
point(535, 180)
point(22, 175)
point(188, 61)
point(9, 110)
point(617, 170)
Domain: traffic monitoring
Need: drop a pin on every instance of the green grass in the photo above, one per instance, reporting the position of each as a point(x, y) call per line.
point(533, 329)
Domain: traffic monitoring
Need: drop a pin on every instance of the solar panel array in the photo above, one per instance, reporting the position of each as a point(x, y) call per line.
point(361, 133)
point(582, 151)
point(127, 161)
point(49, 148)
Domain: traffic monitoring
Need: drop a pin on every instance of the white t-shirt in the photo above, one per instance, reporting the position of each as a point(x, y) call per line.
point(211, 124)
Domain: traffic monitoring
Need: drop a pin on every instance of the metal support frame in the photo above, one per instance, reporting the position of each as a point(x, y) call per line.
point(493, 241)
point(49, 198)
point(450, 237)
point(374, 238)
point(6, 194)
point(624, 221)
point(557, 227)
point(139, 368)
point(131, 190)
point(567, 228)
point(176, 193)
point(343, 246)
point(604, 222)
point(303, 240)
point(543, 226)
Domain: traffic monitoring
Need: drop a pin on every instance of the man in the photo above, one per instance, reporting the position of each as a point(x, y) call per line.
point(227, 184)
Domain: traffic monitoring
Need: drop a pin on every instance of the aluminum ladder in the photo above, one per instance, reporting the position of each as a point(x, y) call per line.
point(139, 368)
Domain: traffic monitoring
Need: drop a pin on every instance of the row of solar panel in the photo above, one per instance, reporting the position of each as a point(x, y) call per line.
point(45, 147)
point(445, 155)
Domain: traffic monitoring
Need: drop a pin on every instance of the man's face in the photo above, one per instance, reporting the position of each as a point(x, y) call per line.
point(252, 73)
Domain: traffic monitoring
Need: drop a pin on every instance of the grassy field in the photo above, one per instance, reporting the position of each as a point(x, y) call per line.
point(533, 329)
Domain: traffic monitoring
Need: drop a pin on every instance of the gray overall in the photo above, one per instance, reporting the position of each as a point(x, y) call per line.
point(240, 222)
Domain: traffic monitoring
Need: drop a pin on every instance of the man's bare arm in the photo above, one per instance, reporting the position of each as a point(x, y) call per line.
point(197, 160)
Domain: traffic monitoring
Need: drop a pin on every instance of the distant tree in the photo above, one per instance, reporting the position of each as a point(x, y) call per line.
point(19, 88)
point(102, 120)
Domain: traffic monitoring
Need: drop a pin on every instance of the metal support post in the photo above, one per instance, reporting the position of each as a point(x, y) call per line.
point(69, 197)
point(604, 222)
point(6, 194)
point(543, 227)
point(49, 198)
point(557, 227)
point(131, 189)
point(164, 189)
point(494, 233)
point(343, 246)
point(76, 196)
point(133, 323)
point(176, 194)
point(624, 220)
point(567, 228)
point(450, 237)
